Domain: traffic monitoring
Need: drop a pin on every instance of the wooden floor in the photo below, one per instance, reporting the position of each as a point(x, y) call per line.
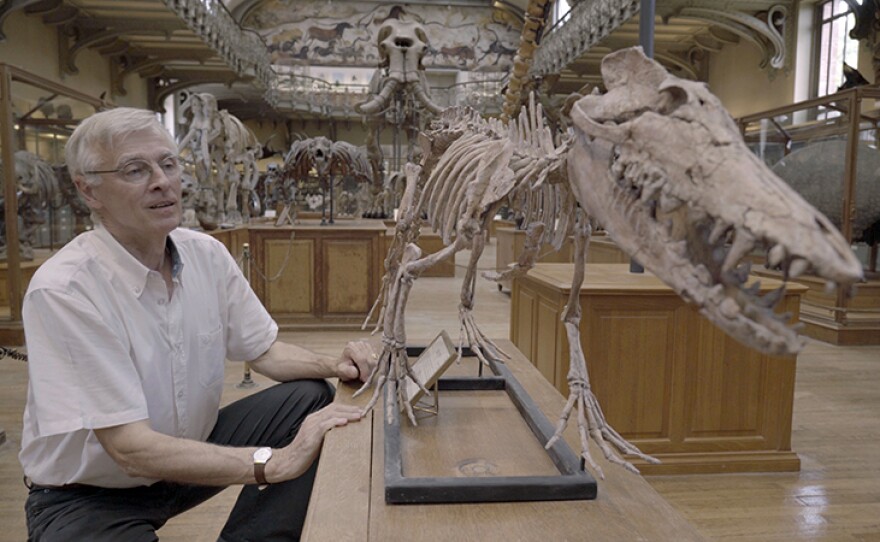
point(836, 432)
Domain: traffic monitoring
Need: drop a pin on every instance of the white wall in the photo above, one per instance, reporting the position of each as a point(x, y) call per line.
point(735, 76)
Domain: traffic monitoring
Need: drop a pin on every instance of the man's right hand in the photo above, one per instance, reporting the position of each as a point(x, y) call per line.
point(294, 459)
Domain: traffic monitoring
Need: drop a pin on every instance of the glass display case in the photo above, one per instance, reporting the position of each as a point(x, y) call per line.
point(827, 150)
point(38, 115)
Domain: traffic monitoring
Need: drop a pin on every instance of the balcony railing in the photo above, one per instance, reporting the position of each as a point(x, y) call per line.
point(302, 93)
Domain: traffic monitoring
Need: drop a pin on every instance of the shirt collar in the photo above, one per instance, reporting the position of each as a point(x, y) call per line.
point(132, 272)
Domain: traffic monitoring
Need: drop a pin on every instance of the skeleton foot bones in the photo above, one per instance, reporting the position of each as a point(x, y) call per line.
point(662, 167)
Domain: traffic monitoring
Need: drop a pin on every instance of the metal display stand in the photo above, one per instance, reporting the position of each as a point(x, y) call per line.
point(572, 483)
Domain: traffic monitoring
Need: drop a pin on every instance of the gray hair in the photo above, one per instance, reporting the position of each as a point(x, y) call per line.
point(96, 135)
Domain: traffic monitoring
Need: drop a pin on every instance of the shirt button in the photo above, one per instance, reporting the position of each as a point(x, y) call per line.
point(180, 394)
point(161, 301)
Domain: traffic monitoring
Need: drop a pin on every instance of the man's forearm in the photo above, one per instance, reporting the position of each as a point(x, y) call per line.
point(284, 362)
point(144, 453)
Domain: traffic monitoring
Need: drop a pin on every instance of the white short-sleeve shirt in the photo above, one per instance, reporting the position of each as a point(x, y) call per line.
point(106, 346)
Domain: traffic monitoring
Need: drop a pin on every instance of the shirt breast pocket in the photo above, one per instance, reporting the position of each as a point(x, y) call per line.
point(212, 357)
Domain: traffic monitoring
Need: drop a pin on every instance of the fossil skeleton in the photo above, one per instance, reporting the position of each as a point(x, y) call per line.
point(662, 167)
point(399, 95)
point(217, 143)
point(329, 159)
point(37, 188)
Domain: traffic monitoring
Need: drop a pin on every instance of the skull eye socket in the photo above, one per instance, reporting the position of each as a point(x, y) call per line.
point(672, 98)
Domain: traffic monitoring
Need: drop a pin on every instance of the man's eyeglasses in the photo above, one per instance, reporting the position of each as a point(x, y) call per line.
point(140, 171)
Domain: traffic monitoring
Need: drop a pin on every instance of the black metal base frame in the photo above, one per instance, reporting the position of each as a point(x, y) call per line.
point(572, 483)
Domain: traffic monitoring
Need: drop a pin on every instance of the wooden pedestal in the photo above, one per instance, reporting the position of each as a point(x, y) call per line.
point(330, 277)
point(351, 474)
point(12, 332)
point(430, 242)
point(499, 223)
point(510, 245)
point(234, 239)
point(667, 379)
point(604, 250)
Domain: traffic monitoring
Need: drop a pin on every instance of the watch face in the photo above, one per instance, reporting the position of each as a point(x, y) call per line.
point(262, 455)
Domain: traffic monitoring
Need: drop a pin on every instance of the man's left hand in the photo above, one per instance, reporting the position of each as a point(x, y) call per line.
point(357, 361)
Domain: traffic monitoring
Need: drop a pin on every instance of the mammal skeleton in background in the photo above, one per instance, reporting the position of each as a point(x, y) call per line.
point(662, 167)
point(218, 144)
point(399, 90)
point(37, 189)
point(329, 159)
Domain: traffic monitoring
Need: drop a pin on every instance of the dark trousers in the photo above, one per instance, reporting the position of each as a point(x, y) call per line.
point(270, 417)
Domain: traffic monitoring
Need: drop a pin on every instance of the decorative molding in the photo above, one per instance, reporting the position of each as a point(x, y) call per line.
point(769, 36)
point(766, 24)
point(7, 7)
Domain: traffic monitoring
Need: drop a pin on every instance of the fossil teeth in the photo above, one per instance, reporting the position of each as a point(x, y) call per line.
point(669, 203)
point(771, 299)
point(703, 275)
point(742, 245)
point(650, 191)
point(679, 247)
point(718, 231)
point(729, 308)
point(783, 316)
point(753, 289)
point(798, 267)
point(718, 254)
point(775, 256)
point(741, 273)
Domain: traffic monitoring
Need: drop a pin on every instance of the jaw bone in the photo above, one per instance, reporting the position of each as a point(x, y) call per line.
point(660, 164)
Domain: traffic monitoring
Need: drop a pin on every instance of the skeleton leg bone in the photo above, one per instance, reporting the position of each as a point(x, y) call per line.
point(590, 419)
point(398, 369)
point(469, 330)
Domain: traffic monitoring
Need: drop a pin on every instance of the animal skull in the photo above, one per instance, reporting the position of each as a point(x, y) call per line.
point(402, 46)
point(662, 166)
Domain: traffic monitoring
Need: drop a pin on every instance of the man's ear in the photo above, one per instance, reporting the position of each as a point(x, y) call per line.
point(86, 191)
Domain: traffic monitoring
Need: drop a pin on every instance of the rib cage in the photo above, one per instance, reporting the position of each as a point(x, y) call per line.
point(488, 164)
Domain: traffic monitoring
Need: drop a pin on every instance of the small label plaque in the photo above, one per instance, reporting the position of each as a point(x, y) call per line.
point(430, 366)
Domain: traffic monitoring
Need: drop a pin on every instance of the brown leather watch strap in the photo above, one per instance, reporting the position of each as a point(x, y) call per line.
point(260, 473)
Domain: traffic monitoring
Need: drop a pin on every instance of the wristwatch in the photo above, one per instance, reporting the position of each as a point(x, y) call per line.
point(261, 457)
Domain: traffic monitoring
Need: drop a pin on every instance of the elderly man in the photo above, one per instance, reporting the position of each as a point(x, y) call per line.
point(127, 328)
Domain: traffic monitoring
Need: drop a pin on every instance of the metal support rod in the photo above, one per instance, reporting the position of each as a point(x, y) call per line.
point(646, 40)
point(646, 27)
point(246, 381)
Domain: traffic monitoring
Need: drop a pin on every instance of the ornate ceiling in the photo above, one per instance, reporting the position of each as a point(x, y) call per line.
point(227, 49)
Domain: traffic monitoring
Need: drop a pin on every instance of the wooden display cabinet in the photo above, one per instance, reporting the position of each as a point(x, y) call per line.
point(511, 242)
point(510, 245)
point(668, 379)
point(329, 275)
point(430, 242)
point(22, 89)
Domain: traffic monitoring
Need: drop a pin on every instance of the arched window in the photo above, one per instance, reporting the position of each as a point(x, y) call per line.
point(834, 20)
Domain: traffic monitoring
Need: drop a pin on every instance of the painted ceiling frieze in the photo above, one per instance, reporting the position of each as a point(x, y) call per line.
point(319, 32)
